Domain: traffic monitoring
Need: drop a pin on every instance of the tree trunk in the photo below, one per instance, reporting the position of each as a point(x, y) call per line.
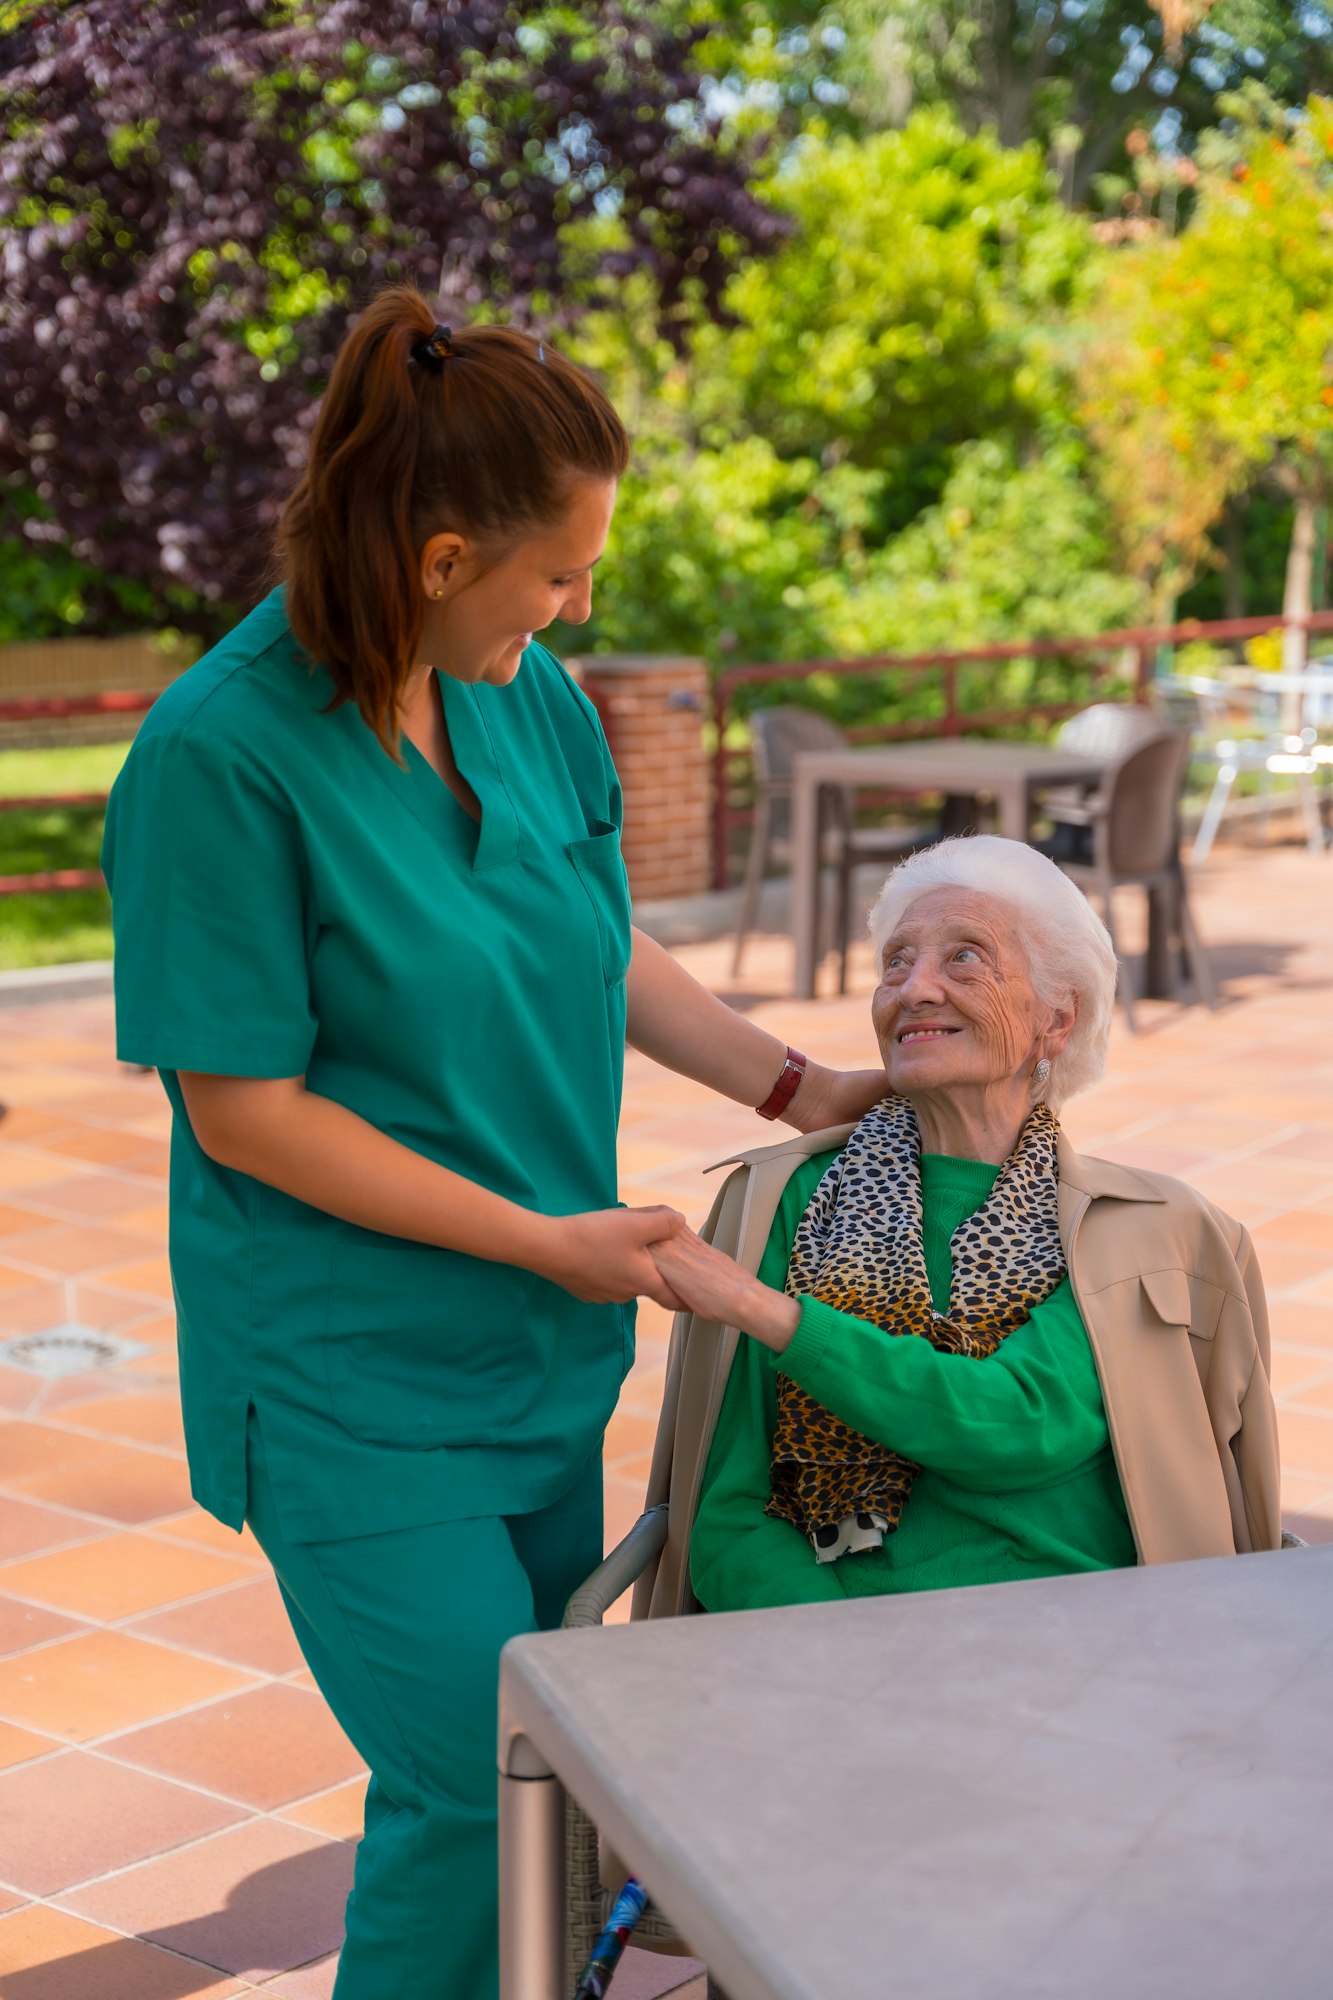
point(1297, 601)
point(1233, 557)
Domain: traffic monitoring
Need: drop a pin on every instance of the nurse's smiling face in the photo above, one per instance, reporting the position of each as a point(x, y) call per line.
point(482, 610)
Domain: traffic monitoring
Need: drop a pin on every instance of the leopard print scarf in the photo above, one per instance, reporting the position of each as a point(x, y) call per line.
point(860, 1247)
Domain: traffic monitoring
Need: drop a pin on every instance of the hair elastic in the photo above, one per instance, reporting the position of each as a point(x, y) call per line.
point(434, 351)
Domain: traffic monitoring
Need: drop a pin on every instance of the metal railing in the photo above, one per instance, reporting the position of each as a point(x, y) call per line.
point(46, 708)
point(951, 717)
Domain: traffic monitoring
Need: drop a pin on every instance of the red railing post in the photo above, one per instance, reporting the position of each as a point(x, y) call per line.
point(953, 721)
point(1145, 659)
point(721, 788)
point(37, 708)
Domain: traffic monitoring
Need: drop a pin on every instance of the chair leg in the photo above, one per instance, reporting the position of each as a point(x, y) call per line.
point(1205, 985)
point(1314, 832)
point(1125, 994)
point(1212, 815)
point(754, 880)
point(846, 868)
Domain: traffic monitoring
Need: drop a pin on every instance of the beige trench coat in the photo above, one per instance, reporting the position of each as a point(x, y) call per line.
point(1173, 1303)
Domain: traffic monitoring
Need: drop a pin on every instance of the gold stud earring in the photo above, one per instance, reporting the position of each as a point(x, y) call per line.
point(437, 593)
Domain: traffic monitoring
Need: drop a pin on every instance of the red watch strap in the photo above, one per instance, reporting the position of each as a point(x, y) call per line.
point(793, 1069)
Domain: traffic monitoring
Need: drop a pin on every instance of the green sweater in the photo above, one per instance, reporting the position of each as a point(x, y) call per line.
point(1018, 1478)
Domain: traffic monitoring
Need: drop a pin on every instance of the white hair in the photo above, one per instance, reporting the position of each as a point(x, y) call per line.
point(1068, 951)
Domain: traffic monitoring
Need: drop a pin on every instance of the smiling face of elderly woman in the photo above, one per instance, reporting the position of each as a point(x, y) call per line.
point(959, 1022)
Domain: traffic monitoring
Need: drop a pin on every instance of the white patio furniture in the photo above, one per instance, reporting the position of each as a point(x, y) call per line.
point(1207, 707)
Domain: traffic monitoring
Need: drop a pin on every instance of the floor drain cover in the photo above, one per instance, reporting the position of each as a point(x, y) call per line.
point(68, 1350)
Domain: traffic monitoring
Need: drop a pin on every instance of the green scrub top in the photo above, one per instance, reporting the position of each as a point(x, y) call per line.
point(288, 901)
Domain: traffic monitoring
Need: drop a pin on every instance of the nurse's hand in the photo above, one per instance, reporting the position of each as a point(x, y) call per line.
point(834, 1097)
point(604, 1257)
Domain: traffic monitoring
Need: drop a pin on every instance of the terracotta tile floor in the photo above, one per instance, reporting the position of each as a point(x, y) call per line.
point(177, 1808)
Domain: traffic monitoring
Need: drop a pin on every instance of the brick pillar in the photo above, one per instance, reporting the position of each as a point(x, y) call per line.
point(652, 708)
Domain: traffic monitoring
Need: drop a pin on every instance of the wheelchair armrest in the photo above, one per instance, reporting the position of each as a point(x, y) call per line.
point(622, 1568)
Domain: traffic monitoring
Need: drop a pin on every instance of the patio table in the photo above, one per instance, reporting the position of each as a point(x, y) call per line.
point(1110, 1785)
point(960, 767)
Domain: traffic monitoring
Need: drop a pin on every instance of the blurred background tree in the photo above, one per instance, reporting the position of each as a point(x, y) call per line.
point(195, 197)
point(1077, 76)
point(913, 310)
point(879, 447)
point(1214, 371)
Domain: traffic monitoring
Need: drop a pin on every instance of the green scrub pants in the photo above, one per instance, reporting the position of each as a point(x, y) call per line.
point(402, 1631)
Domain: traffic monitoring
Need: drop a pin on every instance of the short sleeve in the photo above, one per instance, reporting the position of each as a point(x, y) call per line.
point(204, 861)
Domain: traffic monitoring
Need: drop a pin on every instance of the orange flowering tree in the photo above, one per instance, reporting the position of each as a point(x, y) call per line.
point(1212, 361)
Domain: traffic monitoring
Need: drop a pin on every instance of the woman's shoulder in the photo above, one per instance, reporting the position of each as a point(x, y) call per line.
point(251, 674)
point(1160, 1213)
point(242, 714)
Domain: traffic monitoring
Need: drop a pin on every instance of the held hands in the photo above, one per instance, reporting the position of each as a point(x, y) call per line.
point(707, 1281)
point(605, 1256)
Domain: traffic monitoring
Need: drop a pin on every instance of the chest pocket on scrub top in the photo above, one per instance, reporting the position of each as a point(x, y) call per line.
point(601, 869)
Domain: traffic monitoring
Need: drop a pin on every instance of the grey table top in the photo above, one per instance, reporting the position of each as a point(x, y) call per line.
point(964, 760)
point(1106, 1787)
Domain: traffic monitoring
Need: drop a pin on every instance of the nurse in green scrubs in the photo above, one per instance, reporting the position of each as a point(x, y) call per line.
point(372, 927)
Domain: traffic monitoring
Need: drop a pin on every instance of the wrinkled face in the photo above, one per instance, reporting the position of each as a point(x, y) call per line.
point(489, 610)
point(955, 1004)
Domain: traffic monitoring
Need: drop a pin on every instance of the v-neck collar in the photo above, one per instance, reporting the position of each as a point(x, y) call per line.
point(428, 798)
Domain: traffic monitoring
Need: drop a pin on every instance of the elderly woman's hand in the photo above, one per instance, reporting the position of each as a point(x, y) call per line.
point(708, 1282)
point(605, 1256)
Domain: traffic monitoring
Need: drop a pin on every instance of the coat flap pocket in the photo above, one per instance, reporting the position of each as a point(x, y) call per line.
point(1168, 1295)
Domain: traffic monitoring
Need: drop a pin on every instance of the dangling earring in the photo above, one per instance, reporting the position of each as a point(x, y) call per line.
point(1041, 1075)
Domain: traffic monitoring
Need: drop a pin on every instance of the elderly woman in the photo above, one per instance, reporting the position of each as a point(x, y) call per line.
point(1088, 1381)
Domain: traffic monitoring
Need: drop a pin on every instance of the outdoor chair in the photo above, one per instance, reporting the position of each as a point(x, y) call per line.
point(1109, 730)
point(778, 735)
point(1205, 707)
point(1133, 823)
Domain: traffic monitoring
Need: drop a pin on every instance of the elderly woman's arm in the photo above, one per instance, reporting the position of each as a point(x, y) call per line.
point(740, 1559)
point(1030, 1414)
point(1254, 1442)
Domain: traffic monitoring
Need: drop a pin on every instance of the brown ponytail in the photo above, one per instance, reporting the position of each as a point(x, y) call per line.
point(480, 435)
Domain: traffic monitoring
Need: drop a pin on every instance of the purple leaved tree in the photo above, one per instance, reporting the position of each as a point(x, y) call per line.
point(194, 198)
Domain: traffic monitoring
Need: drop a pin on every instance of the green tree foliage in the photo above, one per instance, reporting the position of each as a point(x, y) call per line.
point(47, 593)
point(1077, 76)
point(905, 312)
point(739, 555)
point(1222, 341)
point(879, 453)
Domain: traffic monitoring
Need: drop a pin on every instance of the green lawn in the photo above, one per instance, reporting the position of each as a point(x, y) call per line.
point(56, 928)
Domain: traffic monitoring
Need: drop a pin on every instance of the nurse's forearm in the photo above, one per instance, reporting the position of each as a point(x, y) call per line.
point(321, 1153)
point(683, 1026)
